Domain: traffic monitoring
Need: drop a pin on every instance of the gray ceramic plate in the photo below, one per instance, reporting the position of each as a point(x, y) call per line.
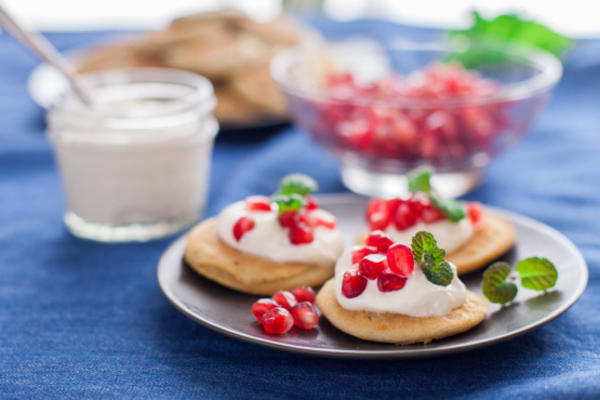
point(228, 312)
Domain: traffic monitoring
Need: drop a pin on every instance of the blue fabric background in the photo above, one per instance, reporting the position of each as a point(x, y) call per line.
point(87, 320)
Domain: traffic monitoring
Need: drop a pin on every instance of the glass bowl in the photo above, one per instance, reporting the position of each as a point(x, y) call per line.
point(338, 96)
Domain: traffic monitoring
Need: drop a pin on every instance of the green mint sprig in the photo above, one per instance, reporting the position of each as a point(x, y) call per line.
point(431, 259)
point(420, 182)
point(292, 192)
point(504, 29)
point(535, 273)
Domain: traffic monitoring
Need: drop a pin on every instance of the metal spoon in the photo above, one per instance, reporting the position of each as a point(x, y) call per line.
point(39, 45)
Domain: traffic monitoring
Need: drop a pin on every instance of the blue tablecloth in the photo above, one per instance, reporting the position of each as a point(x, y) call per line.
point(80, 319)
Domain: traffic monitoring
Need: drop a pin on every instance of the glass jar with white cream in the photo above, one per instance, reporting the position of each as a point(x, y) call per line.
point(135, 165)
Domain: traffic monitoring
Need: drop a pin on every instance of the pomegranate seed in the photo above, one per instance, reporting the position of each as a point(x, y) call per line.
point(393, 205)
point(378, 215)
point(277, 321)
point(242, 226)
point(360, 252)
point(387, 282)
point(284, 298)
point(261, 306)
point(400, 260)
point(305, 316)
point(287, 218)
point(405, 217)
point(258, 203)
point(374, 237)
point(304, 293)
point(475, 213)
point(353, 284)
point(431, 214)
point(301, 234)
point(311, 203)
point(383, 243)
point(372, 265)
point(323, 218)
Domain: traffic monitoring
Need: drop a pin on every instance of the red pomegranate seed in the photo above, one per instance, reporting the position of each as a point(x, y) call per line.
point(383, 243)
point(261, 306)
point(475, 213)
point(305, 316)
point(242, 226)
point(285, 299)
point(277, 321)
point(400, 260)
point(405, 216)
point(378, 215)
point(287, 218)
point(431, 214)
point(311, 203)
point(387, 282)
point(353, 284)
point(258, 203)
point(301, 234)
point(323, 218)
point(393, 205)
point(374, 237)
point(360, 252)
point(372, 265)
point(304, 293)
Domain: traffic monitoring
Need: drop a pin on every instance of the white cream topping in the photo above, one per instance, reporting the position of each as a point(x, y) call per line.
point(449, 235)
point(418, 297)
point(270, 240)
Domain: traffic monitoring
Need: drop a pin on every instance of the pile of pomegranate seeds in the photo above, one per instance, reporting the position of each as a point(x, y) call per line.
point(390, 264)
point(384, 127)
point(403, 214)
point(299, 223)
point(286, 309)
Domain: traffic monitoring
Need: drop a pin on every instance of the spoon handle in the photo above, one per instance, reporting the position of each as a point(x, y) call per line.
point(39, 45)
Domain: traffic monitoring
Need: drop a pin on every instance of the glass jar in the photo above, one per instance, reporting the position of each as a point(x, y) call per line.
point(135, 166)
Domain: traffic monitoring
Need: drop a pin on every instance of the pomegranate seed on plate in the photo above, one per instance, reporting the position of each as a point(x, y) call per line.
point(304, 293)
point(353, 284)
point(374, 237)
point(475, 213)
point(323, 218)
point(405, 216)
point(372, 265)
point(400, 260)
point(431, 214)
point(261, 306)
point(242, 226)
point(285, 299)
point(387, 282)
point(305, 316)
point(378, 214)
point(360, 252)
point(287, 218)
point(311, 203)
point(383, 243)
point(277, 321)
point(258, 203)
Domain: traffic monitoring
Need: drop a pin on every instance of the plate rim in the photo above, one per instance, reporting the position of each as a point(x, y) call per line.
point(389, 353)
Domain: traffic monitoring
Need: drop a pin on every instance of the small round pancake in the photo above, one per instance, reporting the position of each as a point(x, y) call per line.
point(400, 328)
point(495, 237)
point(212, 258)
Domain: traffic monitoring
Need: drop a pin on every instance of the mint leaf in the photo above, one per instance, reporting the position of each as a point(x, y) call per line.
point(299, 184)
point(440, 274)
point(420, 180)
point(504, 29)
point(494, 285)
point(425, 242)
point(285, 203)
point(537, 273)
point(452, 209)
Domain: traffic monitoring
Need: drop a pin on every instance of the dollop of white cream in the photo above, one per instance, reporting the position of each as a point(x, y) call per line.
point(268, 239)
point(418, 297)
point(449, 235)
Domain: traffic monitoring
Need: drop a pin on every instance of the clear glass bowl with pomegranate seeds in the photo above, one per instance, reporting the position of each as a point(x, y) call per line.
point(413, 109)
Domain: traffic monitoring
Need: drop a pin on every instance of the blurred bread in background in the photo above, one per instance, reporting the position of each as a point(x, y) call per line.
point(227, 47)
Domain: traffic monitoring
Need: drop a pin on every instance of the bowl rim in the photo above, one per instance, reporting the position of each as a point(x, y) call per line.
point(550, 68)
